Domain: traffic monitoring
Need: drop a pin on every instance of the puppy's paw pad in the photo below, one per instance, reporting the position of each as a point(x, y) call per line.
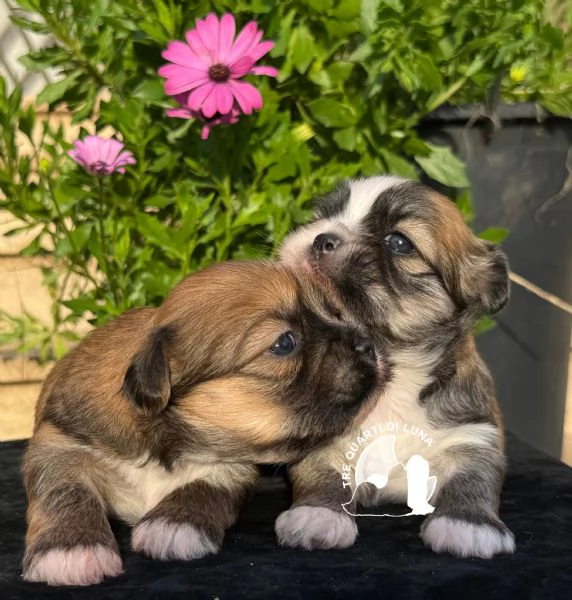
point(83, 565)
point(464, 539)
point(163, 540)
point(315, 528)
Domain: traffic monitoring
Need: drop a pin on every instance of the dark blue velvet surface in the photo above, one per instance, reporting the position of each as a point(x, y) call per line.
point(388, 560)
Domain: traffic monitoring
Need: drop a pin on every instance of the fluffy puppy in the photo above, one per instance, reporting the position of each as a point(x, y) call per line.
point(159, 417)
point(401, 258)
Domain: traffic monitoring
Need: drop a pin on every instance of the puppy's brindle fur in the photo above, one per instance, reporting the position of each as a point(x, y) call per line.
point(424, 305)
point(159, 417)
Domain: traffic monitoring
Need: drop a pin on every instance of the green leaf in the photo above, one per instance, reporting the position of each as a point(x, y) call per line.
point(285, 167)
point(396, 5)
point(332, 113)
point(496, 235)
point(346, 138)
point(159, 234)
point(80, 236)
point(82, 304)
point(443, 166)
point(464, 203)
point(43, 59)
point(28, 25)
point(165, 16)
point(301, 51)
point(397, 165)
point(150, 90)
point(122, 246)
point(347, 10)
point(54, 91)
point(559, 105)
point(368, 14)
point(15, 100)
point(485, 324)
point(320, 6)
point(339, 72)
point(361, 53)
point(428, 75)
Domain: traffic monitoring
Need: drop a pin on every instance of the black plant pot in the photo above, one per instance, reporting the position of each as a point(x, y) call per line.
point(521, 179)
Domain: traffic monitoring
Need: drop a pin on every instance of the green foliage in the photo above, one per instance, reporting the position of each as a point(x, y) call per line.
point(355, 80)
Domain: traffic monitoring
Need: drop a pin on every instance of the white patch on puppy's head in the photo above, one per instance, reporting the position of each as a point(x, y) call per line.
point(363, 193)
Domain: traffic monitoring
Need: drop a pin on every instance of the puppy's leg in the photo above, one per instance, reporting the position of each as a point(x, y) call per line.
point(465, 521)
point(316, 520)
point(69, 540)
point(191, 521)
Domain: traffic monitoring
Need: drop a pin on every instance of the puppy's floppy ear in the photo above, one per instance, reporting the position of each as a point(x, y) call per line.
point(483, 282)
point(147, 382)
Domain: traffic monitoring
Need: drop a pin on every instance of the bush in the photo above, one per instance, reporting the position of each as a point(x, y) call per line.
point(355, 81)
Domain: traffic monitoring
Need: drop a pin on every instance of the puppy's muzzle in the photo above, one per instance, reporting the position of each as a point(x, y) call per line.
point(325, 243)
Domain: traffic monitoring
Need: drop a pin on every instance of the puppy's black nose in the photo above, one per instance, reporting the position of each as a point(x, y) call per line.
point(366, 347)
point(326, 242)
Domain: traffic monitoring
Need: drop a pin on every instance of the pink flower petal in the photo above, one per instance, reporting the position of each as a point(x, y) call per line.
point(181, 54)
point(223, 98)
point(198, 96)
point(226, 36)
point(241, 67)
point(171, 70)
point(125, 158)
point(181, 98)
point(180, 113)
point(262, 70)
point(197, 46)
point(247, 96)
point(180, 79)
point(209, 106)
point(208, 31)
point(109, 150)
point(260, 50)
point(244, 41)
point(90, 150)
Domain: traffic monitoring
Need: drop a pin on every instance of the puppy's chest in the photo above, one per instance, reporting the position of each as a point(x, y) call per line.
point(138, 486)
point(399, 415)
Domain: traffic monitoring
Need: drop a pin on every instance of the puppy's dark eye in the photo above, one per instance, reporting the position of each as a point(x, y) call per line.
point(284, 345)
point(399, 244)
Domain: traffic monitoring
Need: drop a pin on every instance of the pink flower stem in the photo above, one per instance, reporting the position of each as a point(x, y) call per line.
point(101, 220)
point(62, 221)
point(226, 198)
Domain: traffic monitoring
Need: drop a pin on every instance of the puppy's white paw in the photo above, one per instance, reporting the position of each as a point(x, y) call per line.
point(460, 538)
point(83, 565)
point(315, 528)
point(163, 540)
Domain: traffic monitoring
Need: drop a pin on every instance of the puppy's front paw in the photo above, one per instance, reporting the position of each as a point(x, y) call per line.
point(83, 565)
point(315, 528)
point(443, 534)
point(164, 540)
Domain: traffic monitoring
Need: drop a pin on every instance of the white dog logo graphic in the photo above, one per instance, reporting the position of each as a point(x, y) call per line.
point(375, 465)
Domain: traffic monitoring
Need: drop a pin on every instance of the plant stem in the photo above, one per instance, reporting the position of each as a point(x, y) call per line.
point(227, 202)
point(61, 219)
point(101, 220)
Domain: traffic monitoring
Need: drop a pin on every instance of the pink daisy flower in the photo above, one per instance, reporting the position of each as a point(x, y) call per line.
point(208, 68)
point(100, 156)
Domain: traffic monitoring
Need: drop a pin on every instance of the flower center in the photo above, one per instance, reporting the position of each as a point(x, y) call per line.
point(99, 167)
point(219, 72)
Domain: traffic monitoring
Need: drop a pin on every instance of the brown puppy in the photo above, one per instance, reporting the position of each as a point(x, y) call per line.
point(159, 417)
point(401, 258)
